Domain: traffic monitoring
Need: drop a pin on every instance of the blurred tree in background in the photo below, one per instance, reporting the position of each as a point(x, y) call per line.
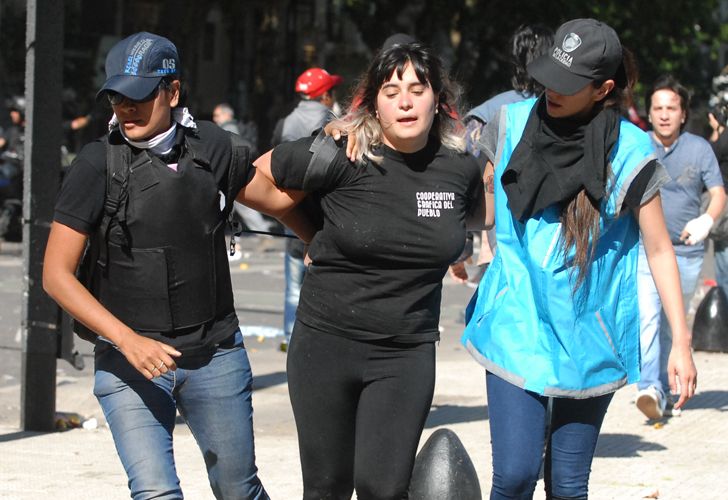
point(682, 36)
point(249, 52)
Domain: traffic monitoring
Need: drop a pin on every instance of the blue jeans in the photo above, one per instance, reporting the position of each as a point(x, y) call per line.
point(295, 270)
point(655, 331)
point(214, 398)
point(520, 430)
point(721, 264)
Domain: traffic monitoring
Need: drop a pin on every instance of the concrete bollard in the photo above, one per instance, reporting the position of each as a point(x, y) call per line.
point(443, 470)
point(710, 327)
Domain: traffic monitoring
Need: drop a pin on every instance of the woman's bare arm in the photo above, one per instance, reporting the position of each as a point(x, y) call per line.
point(484, 216)
point(262, 194)
point(681, 370)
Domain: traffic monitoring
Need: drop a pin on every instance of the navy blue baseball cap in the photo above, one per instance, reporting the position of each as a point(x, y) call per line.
point(136, 65)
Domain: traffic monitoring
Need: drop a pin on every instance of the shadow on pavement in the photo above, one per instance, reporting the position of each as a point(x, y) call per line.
point(14, 436)
point(715, 400)
point(455, 414)
point(624, 445)
point(268, 380)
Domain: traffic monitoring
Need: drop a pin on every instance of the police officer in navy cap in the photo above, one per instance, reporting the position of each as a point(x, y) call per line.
point(151, 199)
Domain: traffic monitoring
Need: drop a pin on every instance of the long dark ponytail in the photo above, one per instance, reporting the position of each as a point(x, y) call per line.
point(581, 217)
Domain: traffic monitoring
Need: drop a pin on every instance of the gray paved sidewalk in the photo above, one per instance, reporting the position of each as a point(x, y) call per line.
point(681, 458)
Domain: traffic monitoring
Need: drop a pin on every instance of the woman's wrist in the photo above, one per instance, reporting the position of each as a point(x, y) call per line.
point(682, 338)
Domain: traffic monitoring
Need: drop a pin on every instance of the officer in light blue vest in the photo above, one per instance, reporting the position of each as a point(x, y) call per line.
point(555, 321)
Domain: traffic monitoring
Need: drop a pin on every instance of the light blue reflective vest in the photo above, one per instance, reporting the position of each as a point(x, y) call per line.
point(525, 323)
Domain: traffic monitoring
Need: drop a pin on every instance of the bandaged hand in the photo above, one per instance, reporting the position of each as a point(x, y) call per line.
point(696, 230)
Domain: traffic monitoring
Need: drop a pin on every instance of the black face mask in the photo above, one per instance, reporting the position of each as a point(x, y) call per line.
point(557, 158)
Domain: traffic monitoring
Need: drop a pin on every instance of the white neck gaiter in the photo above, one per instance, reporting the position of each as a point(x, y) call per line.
point(164, 142)
point(159, 145)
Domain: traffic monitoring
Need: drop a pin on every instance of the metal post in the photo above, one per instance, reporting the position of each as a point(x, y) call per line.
point(43, 77)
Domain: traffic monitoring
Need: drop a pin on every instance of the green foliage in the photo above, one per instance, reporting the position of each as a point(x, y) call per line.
point(271, 41)
point(681, 36)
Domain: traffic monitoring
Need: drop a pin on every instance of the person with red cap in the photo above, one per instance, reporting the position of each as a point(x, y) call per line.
point(315, 87)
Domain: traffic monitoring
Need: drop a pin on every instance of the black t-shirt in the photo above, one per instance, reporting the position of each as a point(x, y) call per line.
point(390, 231)
point(80, 206)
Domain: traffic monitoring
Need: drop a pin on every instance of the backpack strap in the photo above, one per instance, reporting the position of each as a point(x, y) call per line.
point(86, 273)
point(324, 150)
point(118, 158)
point(117, 172)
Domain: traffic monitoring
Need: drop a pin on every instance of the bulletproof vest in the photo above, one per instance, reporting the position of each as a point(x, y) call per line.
point(161, 263)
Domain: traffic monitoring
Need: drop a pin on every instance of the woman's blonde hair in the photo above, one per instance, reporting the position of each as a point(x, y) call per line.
point(361, 121)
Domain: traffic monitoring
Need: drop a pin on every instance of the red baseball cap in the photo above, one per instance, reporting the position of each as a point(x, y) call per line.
point(315, 81)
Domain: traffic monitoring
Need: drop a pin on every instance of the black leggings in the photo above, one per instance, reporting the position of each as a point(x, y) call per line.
point(360, 408)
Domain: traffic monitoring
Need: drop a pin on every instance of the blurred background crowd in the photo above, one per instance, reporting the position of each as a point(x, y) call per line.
point(249, 53)
point(255, 49)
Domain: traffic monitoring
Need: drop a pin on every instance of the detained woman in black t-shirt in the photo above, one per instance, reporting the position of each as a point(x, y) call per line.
point(361, 364)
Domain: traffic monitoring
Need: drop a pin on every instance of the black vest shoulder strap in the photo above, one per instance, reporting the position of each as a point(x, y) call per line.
point(118, 160)
point(237, 177)
point(238, 171)
point(324, 150)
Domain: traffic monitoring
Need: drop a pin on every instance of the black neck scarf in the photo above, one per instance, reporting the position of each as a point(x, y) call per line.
point(558, 157)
